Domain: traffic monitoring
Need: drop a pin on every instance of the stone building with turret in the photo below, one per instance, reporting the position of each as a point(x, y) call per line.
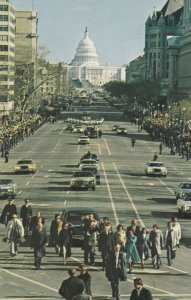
point(168, 48)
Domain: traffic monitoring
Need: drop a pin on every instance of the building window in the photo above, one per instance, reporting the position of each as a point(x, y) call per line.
point(3, 77)
point(4, 18)
point(4, 8)
point(3, 47)
point(3, 28)
point(3, 57)
point(3, 68)
point(4, 38)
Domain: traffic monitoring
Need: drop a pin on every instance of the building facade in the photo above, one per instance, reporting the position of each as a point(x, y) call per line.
point(7, 55)
point(86, 68)
point(26, 39)
point(136, 69)
point(168, 48)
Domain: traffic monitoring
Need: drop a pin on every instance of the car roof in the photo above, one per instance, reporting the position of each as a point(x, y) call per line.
point(155, 162)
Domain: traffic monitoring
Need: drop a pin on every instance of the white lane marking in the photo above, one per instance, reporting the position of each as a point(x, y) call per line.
point(20, 192)
point(29, 280)
point(169, 189)
point(46, 176)
point(110, 196)
point(129, 197)
point(99, 149)
point(28, 182)
point(107, 147)
point(175, 269)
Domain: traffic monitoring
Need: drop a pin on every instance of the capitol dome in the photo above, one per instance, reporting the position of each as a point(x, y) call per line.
point(86, 54)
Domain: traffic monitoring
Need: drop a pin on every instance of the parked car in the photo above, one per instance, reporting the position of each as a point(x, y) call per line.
point(155, 168)
point(184, 204)
point(121, 130)
point(74, 216)
point(83, 179)
point(83, 140)
point(93, 169)
point(26, 166)
point(184, 187)
point(8, 188)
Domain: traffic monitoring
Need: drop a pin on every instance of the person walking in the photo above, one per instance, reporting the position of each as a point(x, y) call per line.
point(156, 245)
point(106, 242)
point(90, 241)
point(140, 292)
point(143, 246)
point(34, 220)
point(8, 211)
point(170, 242)
point(160, 148)
point(131, 249)
point(26, 214)
point(155, 157)
point(116, 270)
point(177, 227)
point(6, 155)
point(133, 142)
point(134, 227)
point(39, 242)
point(86, 277)
point(55, 228)
point(64, 242)
point(15, 232)
point(69, 286)
point(120, 236)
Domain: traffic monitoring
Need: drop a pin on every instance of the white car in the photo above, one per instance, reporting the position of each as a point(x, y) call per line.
point(155, 168)
point(184, 187)
point(121, 130)
point(89, 161)
point(83, 140)
point(8, 188)
point(184, 204)
point(83, 179)
point(78, 129)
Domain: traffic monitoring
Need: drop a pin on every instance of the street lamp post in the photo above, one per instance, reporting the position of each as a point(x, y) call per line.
point(158, 105)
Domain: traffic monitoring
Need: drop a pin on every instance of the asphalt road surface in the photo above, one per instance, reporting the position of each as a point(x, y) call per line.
point(125, 193)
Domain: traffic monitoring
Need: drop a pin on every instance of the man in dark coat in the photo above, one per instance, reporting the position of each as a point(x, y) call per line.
point(39, 241)
point(140, 292)
point(26, 214)
point(34, 220)
point(69, 287)
point(116, 270)
point(8, 211)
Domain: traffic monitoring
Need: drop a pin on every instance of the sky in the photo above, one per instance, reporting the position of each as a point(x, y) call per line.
point(117, 27)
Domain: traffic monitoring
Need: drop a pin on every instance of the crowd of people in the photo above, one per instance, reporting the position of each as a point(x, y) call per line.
point(174, 134)
point(120, 249)
point(14, 131)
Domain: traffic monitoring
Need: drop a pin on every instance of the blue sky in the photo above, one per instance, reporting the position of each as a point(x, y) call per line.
point(115, 26)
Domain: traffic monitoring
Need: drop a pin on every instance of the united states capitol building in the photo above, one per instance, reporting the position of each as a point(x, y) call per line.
point(86, 68)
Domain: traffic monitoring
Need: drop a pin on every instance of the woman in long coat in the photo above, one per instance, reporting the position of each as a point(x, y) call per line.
point(131, 250)
point(156, 244)
point(143, 246)
point(38, 242)
point(64, 241)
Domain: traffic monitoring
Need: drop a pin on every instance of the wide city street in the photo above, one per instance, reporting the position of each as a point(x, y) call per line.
point(125, 193)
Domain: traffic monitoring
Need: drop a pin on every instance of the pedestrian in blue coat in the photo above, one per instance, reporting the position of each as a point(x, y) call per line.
point(131, 249)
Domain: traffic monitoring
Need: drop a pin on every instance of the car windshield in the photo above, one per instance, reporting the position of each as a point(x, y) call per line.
point(186, 186)
point(89, 162)
point(5, 181)
point(75, 218)
point(155, 164)
point(121, 128)
point(82, 174)
point(20, 162)
point(92, 170)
